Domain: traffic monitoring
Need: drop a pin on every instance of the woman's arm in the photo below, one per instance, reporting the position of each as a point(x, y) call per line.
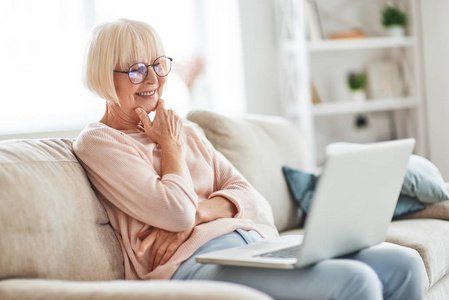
point(231, 185)
point(129, 181)
point(163, 244)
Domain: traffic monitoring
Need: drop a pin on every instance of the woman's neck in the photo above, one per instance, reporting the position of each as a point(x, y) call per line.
point(115, 117)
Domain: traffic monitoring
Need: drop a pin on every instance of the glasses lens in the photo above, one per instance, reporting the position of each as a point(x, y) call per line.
point(162, 66)
point(137, 73)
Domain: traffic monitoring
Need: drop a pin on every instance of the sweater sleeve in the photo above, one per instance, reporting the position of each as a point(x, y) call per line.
point(131, 183)
point(230, 184)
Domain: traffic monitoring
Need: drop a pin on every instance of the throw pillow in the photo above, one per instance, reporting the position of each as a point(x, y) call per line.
point(423, 181)
point(302, 186)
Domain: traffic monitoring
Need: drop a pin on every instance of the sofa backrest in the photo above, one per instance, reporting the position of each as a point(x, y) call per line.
point(52, 224)
point(258, 146)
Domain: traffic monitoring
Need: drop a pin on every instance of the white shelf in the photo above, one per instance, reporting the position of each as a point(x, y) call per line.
point(354, 44)
point(364, 43)
point(341, 108)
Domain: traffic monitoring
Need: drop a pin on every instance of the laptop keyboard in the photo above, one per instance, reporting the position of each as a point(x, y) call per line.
point(290, 252)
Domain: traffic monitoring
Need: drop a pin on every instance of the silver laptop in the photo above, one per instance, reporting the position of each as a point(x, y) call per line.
point(353, 205)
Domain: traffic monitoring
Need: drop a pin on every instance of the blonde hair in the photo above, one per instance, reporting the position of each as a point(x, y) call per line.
point(116, 46)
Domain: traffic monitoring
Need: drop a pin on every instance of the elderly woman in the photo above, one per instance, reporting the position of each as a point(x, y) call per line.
point(170, 196)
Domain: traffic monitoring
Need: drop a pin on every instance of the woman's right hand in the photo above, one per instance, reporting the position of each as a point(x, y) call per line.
point(166, 126)
point(165, 130)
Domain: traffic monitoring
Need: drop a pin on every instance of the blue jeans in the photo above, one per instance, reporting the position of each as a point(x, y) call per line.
point(384, 271)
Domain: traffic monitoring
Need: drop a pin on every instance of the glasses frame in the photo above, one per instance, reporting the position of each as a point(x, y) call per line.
point(150, 65)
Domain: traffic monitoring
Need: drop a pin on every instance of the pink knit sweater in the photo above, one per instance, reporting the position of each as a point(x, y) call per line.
point(125, 170)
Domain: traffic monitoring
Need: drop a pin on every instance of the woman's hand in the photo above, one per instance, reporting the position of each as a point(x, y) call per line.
point(166, 126)
point(213, 209)
point(165, 130)
point(161, 245)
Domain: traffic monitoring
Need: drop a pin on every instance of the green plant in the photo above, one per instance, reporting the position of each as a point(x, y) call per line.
point(356, 81)
point(393, 16)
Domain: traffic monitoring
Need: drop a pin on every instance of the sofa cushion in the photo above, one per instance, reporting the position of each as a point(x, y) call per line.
point(53, 225)
point(258, 146)
point(430, 238)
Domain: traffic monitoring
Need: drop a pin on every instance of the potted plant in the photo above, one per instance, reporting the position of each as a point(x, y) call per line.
point(357, 84)
point(394, 20)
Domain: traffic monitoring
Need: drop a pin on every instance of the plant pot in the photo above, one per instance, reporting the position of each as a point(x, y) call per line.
point(358, 95)
point(395, 31)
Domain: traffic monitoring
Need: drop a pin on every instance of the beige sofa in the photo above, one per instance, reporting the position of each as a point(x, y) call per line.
point(56, 242)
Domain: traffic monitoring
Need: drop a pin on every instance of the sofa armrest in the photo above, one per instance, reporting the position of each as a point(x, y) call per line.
point(41, 289)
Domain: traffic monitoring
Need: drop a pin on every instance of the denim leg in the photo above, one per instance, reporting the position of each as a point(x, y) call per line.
point(341, 279)
point(330, 279)
point(400, 269)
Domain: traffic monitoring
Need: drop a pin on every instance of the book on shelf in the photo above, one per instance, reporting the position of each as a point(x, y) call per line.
point(314, 94)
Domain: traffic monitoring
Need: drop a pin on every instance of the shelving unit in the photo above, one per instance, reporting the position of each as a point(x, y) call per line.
point(327, 62)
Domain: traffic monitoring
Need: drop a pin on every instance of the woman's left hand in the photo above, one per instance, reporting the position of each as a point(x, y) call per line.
point(161, 245)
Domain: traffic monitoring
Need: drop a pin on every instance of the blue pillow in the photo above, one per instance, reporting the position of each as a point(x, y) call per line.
point(302, 186)
point(423, 181)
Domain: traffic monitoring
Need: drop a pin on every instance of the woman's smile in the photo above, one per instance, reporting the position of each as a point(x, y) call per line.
point(150, 93)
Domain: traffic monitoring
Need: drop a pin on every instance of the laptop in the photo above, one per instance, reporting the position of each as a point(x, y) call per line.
point(352, 207)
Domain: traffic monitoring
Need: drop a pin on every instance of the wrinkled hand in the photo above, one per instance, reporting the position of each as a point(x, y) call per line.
point(161, 245)
point(166, 126)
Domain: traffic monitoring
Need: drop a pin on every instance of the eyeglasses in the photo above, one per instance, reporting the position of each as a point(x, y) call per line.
point(138, 72)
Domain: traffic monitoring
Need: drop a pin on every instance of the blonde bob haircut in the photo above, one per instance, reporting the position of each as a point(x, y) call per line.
point(116, 46)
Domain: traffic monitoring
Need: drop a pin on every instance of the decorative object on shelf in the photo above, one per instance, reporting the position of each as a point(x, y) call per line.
point(357, 84)
point(350, 34)
point(313, 21)
point(394, 20)
point(314, 94)
point(361, 121)
point(384, 80)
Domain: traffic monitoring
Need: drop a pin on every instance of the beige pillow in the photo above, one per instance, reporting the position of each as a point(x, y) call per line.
point(258, 146)
point(52, 224)
point(439, 210)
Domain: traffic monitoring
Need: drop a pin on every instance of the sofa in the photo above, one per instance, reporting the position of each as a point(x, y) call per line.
point(56, 241)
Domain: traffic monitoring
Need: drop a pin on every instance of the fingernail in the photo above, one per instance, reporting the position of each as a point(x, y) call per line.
point(140, 254)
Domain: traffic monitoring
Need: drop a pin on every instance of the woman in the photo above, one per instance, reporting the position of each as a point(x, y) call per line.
point(170, 196)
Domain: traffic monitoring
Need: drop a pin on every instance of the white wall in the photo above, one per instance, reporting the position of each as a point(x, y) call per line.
point(435, 36)
point(260, 56)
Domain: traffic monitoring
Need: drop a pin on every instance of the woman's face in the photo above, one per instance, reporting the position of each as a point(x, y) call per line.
point(144, 95)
